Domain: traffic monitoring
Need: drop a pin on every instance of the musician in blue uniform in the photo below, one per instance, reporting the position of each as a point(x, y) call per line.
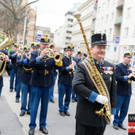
point(25, 82)
point(124, 78)
point(5, 59)
point(65, 81)
point(42, 79)
point(79, 59)
point(13, 72)
point(51, 91)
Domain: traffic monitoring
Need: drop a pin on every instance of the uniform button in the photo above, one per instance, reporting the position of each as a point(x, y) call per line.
point(86, 97)
point(101, 73)
point(45, 65)
point(45, 60)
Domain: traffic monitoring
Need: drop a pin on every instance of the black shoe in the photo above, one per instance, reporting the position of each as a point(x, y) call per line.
point(52, 101)
point(28, 113)
point(122, 127)
point(67, 113)
point(22, 113)
point(73, 101)
point(17, 100)
point(116, 127)
point(10, 90)
point(62, 113)
point(31, 131)
point(44, 130)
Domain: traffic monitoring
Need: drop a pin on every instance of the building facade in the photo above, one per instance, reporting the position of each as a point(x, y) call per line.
point(86, 11)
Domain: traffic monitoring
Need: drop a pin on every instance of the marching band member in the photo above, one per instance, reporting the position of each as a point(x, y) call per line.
point(8, 67)
point(42, 79)
point(79, 59)
point(13, 72)
point(51, 91)
point(88, 122)
point(25, 82)
point(65, 81)
point(124, 77)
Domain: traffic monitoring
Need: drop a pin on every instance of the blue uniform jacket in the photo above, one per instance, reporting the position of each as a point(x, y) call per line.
point(123, 83)
point(13, 59)
point(66, 74)
point(42, 75)
point(25, 70)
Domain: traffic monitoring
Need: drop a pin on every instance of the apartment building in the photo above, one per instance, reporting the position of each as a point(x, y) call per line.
point(63, 35)
point(86, 11)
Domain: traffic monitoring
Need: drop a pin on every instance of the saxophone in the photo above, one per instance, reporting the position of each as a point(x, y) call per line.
point(97, 78)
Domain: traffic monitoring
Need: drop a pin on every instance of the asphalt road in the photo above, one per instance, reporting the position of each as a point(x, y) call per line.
point(12, 124)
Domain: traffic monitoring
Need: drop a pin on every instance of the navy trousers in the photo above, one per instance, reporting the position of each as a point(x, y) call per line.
point(121, 109)
point(42, 94)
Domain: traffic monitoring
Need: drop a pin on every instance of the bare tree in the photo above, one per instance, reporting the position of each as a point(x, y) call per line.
point(12, 14)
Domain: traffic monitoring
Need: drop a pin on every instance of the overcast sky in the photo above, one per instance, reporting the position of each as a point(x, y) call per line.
point(51, 13)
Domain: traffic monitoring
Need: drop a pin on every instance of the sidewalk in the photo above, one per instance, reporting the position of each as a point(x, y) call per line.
point(9, 123)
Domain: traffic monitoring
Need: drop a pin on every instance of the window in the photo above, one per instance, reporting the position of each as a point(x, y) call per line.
point(69, 25)
point(106, 18)
point(69, 32)
point(112, 16)
point(126, 31)
point(101, 20)
point(128, 12)
point(70, 20)
point(110, 31)
point(68, 37)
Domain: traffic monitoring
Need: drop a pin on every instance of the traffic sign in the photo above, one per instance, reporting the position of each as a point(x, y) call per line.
point(117, 40)
point(38, 37)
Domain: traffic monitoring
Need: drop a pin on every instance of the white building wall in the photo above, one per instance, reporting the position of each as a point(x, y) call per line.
point(105, 19)
point(86, 11)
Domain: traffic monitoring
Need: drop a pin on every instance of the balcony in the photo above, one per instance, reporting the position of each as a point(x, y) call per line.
point(120, 3)
point(118, 20)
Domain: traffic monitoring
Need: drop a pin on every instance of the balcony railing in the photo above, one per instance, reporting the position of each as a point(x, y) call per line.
point(118, 20)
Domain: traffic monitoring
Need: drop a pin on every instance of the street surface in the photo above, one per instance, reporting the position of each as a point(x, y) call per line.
point(12, 124)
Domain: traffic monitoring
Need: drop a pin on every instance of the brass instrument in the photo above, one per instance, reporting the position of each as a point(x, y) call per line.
point(5, 41)
point(97, 78)
point(50, 54)
point(20, 52)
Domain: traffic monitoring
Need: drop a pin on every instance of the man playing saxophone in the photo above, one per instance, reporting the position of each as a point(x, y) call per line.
point(90, 92)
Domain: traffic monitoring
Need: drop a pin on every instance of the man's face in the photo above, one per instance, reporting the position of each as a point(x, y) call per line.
point(70, 53)
point(98, 51)
point(79, 56)
point(44, 46)
point(33, 49)
point(127, 60)
point(15, 49)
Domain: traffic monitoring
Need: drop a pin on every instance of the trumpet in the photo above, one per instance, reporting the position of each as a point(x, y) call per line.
point(50, 54)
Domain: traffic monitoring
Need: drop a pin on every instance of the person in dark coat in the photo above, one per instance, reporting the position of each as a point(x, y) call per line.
point(124, 78)
point(90, 101)
point(79, 59)
point(41, 80)
point(13, 72)
point(8, 65)
point(65, 80)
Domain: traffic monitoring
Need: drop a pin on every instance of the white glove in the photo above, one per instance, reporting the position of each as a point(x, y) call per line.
point(101, 99)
